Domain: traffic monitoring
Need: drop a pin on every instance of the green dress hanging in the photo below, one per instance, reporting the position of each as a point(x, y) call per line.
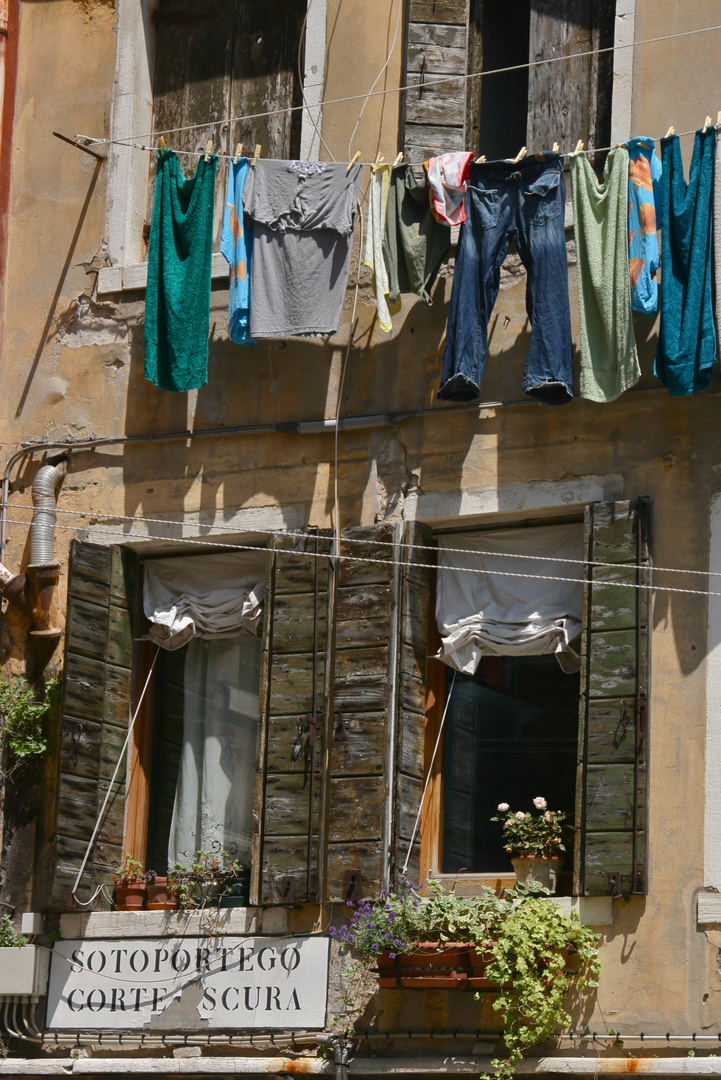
point(177, 299)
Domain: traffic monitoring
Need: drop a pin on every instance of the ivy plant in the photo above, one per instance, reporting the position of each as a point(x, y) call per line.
point(21, 721)
point(9, 939)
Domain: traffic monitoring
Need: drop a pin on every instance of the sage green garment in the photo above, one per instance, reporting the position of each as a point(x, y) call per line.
point(177, 298)
point(414, 244)
point(609, 363)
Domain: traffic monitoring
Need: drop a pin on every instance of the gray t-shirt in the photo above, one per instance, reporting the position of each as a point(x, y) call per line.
point(303, 213)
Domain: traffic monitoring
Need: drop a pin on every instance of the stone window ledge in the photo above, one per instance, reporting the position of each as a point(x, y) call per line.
point(708, 908)
point(135, 924)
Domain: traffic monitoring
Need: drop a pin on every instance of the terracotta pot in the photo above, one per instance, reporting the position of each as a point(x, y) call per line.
point(159, 898)
point(435, 966)
point(534, 868)
point(130, 897)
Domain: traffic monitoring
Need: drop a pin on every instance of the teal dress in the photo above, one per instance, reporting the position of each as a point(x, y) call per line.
point(177, 299)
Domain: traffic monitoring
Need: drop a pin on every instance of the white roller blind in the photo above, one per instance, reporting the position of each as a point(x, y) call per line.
point(490, 614)
point(207, 596)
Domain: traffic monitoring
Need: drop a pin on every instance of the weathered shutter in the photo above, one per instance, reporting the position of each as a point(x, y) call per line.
point(610, 851)
point(217, 60)
point(296, 612)
point(570, 100)
point(94, 719)
point(434, 117)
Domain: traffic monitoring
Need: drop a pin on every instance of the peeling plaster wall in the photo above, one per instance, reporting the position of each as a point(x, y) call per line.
point(72, 367)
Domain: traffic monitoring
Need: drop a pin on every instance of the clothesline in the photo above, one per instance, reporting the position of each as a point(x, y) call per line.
point(365, 164)
point(199, 542)
point(400, 89)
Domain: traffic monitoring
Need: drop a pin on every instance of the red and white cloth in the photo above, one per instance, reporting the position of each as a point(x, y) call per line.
point(447, 183)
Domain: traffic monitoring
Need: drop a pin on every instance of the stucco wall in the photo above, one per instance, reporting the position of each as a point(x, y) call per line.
point(72, 367)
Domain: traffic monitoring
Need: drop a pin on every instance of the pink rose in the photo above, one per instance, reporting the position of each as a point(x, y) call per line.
point(540, 803)
point(520, 815)
point(502, 807)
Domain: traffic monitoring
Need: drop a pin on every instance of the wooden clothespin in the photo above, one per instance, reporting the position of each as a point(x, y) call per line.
point(718, 117)
point(481, 159)
point(208, 148)
point(579, 148)
point(256, 154)
point(398, 160)
point(238, 153)
point(351, 163)
point(671, 131)
point(161, 143)
point(520, 155)
point(707, 123)
point(379, 159)
point(556, 148)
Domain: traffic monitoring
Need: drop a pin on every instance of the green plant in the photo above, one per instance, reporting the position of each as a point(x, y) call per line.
point(190, 883)
point(8, 938)
point(527, 834)
point(21, 717)
point(129, 871)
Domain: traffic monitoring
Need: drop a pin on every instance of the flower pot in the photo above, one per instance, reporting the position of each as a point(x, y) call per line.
point(434, 966)
point(534, 868)
point(130, 897)
point(159, 897)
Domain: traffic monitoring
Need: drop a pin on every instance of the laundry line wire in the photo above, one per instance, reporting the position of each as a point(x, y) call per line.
point(331, 556)
point(368, 541)
point(427, 84)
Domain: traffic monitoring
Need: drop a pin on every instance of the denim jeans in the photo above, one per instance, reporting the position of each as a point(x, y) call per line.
point(507, 199)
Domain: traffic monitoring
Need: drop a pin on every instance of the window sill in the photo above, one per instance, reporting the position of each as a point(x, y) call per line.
point(708, 908)
point(115, 279)
point(596, 911)
point(133, 924)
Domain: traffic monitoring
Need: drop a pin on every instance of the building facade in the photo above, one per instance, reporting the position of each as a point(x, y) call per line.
point(334, 481)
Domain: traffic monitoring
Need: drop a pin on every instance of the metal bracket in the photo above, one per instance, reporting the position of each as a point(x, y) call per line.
point(339, 732)
point(614, 884)
point(287, 886)
point(353, 885)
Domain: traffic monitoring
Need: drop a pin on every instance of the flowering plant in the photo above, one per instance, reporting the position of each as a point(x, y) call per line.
point(527, 834)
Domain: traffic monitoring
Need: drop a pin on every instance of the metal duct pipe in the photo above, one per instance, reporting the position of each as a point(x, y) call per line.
point(42, 530)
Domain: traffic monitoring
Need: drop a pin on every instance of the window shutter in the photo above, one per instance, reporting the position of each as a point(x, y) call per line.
point(295, 612)
point(434, 117)
point(610, 851)
point(94, 720)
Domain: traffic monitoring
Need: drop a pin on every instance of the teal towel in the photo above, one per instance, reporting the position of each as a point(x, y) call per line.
point(609, 363)
point(177, 299)
point(687, 340)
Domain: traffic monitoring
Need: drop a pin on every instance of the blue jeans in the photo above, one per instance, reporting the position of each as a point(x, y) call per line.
point(525, 200)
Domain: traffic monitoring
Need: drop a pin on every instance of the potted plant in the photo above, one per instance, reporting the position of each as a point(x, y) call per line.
point(129, 885)
point(535, 840)
point(517, 944)
point(211, 880)
point(158, 894)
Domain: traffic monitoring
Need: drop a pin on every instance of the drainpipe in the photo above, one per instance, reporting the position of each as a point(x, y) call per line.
point(35, 591)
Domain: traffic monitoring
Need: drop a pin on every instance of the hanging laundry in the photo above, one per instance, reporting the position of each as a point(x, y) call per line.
point(415, 243)
point(524, 200)
point(609, 363)
point(687, 340)
point(644, 175)
point(447, 182)
point(236, 243)
point(177, 297)
point(303, 213)
point(717, 232)
point(375, 231)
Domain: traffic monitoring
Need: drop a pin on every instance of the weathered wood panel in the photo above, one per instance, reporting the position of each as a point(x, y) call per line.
point(361, 679)
point(613, 664)
point(364, 856)
point(437, 35)
point(286, 856)
point(363, 615)
point(87, 628)
point(357, 809)
point(293, 618)
point(287, 736)
point(90, 573)
point(83, 744)
point(287, 804)
point(610, 852)
point(609, 791)
point(438, 11)
point(559, 95)
point(434, 59)
point(610, 731)
point(377, 547)
point(411, 745)
point(426, 140)
point(358, 745)
point(291, 683)
point(441, 103)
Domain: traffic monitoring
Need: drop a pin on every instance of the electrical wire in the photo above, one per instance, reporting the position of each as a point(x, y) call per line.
point(404, 89)
point(199, 541)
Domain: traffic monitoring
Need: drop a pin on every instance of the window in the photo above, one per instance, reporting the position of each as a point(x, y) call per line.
point(521, 719)
point(534, 107)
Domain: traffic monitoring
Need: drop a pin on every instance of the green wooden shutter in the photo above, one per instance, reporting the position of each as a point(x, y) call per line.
point(613, 740)
point(94, 718)
point(434, 117)
point(294, 610)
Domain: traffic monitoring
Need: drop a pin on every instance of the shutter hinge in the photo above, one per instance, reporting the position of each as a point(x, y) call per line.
point(287, 888)
point(614, 884)
point(353, 886)
point(339, 732)
point(641, 718)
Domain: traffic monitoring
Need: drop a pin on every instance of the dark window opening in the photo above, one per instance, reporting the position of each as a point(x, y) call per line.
point(504, 98)
point(511, 734)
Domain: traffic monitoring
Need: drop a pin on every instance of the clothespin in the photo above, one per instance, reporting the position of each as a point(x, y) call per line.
point(556, 148)
point(481, 159)
point(707, 123)
point(208, 148)
point(671, 131)
point(520, 155)
point(379, 159)
point(351, 163)
point(718, 117)
point(579, 148)
point(161, 142)
point(238, 153)
point(398, 160)
point(256, 154)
